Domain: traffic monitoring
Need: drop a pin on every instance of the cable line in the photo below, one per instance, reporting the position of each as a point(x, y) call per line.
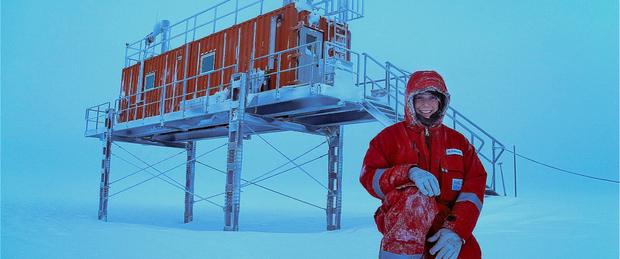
point(559, 169)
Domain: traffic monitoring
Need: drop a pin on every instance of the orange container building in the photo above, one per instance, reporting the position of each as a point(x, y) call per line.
point(167, 82)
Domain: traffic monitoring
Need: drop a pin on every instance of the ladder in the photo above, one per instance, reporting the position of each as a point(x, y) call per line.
point(340, 39)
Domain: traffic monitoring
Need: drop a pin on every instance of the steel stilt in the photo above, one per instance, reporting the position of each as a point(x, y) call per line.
point(189, 182)
point(104, 187)
point(235, 153)
point(334, 194)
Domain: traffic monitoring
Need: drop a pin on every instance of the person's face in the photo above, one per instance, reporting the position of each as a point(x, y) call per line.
point(425, 104)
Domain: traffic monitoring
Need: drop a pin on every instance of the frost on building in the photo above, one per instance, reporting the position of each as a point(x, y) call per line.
point(290, 69)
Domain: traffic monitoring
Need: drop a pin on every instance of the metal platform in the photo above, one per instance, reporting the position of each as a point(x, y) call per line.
point(307, 108)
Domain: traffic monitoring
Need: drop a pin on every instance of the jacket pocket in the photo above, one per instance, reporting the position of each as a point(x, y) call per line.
point(406, 157)
point(452, 177)
point(380, 220)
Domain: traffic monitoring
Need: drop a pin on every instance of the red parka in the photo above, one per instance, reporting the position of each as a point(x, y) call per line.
point(440, 150)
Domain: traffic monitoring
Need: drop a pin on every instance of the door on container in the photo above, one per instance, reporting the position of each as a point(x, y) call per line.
point(308, 61)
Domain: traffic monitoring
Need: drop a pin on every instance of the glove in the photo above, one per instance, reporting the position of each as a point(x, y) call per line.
point(425, 181)
point(449, 244)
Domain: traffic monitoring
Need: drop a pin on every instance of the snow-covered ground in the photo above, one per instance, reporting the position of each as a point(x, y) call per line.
point(545, 226)
point(538, 75)
point(554, 215)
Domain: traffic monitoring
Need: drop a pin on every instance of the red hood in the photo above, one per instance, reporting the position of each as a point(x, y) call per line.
point(425, 81)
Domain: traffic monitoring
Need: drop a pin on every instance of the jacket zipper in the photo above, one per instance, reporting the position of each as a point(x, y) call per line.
point(428, 148)
point(430, 154)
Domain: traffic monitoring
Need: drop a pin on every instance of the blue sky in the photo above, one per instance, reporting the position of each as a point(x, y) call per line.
point(540, 75)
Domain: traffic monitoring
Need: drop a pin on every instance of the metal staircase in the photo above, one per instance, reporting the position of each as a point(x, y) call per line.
point(384, 114)
point(384, 95)
point(384, 99)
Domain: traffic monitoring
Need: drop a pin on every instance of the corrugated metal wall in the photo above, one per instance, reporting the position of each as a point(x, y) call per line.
point(232, 46)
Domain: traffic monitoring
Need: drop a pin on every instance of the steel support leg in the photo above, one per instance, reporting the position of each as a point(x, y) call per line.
point(334, 178)
point(104, 187)
point(189, 181)
point(235, 153)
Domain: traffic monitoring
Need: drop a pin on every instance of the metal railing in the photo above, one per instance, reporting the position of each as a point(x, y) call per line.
point(330, 63)
point(345, 10)
point(96, 117)
point(289, 53)
point(146, 47)
point(387, 79)
point(490, 154)
point(393, 82)
point(390, 84)
point(128, 110)
point(138, 106)
point(322, 67)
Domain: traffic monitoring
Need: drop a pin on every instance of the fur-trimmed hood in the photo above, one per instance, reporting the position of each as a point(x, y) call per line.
point(421, 82)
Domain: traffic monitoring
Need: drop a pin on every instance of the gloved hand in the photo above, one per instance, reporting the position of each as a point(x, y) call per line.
point(449, 244)
point(425, 181)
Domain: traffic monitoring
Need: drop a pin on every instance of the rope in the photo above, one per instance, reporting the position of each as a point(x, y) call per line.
point(559, 169)
point(317, 181)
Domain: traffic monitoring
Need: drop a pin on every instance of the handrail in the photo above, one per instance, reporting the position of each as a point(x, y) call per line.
point(143, 51)
point(278, 55)
point(473, 134)
point(477, 134)
point(98, 110)
point(343, 9)
point(382, 66)
point(162, 101)
point(332, 45)
point(397, 94)
point(407, 74)
point(476, 126)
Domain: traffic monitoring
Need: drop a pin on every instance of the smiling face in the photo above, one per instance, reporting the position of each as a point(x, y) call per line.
point(425, 104)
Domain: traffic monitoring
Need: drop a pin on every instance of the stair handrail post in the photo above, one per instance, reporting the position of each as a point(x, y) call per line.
point(501, 170)
point(453, 121)
point(387, 81)
point(514, 152)
point(366, 73)
point(493, 150)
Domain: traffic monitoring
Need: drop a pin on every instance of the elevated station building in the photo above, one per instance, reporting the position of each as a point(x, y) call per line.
point(290, 69)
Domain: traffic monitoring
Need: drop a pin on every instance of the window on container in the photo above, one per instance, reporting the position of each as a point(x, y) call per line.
point(208, 62)
point(149, 82)
point(309, 39)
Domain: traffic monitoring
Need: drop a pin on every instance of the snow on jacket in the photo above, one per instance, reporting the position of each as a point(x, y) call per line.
point(440, 150)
